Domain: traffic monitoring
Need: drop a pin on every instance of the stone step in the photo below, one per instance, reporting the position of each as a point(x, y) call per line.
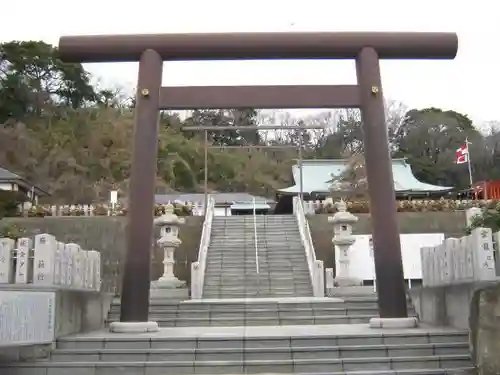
point(301, 268)
point(249, 273)
point(278, 353)
point(255, 321)
point(264, 235)
point(256, 292)
point(250, 250)
point(250, 245)
point(260, 294)
point(287, 303)
point(301, 263)
point(303, 367)
point(262, 281)
point(239, 255)
point(267, 276)
point(214, 273)
point(242, 242)
point(250, 220)
point(263, 264)
point(214, 270)
point(358, 335)
point(262, 259)
point(261, 312)
point(250, 288)
point(235, 305)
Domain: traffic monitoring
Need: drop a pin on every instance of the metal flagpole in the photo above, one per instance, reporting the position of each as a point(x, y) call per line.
point(205, 183)
point(467, 143)
point(301, 176)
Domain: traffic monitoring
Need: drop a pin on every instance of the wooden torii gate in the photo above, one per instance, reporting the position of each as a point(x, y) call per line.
point(365, 47)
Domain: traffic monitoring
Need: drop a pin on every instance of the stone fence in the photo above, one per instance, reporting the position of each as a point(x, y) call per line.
point(310, 207)
point(49, 263)
point(28, 209)
point(461, 288)
point(472, 258)
point(414, 205)
point(47, 289)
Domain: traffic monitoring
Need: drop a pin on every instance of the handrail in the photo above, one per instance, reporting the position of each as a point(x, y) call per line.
point(255, 237)
point(198, 276)
point(314, 265)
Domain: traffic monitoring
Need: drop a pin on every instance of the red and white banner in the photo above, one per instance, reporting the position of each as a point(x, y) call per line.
point(462, 154)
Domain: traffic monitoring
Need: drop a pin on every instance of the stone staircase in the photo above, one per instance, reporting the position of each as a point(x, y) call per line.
point(260, 312)
point(231, 270)
point(333, 350)
point(267, 322)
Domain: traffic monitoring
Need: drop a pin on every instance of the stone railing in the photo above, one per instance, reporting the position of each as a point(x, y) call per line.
point(470, 258)
point(47, 289)
point(316, 269)
point(198, 267)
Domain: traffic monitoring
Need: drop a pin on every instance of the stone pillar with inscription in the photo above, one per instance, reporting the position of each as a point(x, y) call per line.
point(6, 260)
point(23, 260)
point(44, 260)
point(168, 286)
point(75, 270)
point(481, 243)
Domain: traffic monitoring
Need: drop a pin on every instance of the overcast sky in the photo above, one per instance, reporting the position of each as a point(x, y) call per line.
point(468, 84)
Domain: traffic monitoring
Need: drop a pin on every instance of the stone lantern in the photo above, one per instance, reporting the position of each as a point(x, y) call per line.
point(343, 239)
point(169, 224)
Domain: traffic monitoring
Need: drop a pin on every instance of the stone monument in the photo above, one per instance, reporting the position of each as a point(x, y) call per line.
point(343, 239)
point(168, 286)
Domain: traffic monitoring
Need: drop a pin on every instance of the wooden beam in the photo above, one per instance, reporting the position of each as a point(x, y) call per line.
point(277, 147)
point(249, 127)
point(262, 97)
point(248, 46)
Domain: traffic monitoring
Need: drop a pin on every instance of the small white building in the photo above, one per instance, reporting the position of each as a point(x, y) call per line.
point(226, 204)
point(13, 182)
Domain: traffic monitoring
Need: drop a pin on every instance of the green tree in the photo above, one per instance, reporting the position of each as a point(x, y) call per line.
point(32, 78)
point(429, 139)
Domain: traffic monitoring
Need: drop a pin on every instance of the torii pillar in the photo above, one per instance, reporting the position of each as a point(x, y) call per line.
point(364, 47)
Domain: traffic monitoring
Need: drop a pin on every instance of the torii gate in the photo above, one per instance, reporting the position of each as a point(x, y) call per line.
point(367, 48)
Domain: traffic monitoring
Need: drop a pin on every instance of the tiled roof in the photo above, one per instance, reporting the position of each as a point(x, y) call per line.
point(220, 198)
point(316, 174)
point(8, 175)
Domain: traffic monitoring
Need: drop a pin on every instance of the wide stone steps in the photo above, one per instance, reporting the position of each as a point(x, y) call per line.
point(409, 353)
point(264, 313)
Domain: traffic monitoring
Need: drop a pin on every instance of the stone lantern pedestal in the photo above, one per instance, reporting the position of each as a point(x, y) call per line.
point(343, 239)
point(168, 286)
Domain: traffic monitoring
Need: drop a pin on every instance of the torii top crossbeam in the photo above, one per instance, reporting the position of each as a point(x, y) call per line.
point(248, 46)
